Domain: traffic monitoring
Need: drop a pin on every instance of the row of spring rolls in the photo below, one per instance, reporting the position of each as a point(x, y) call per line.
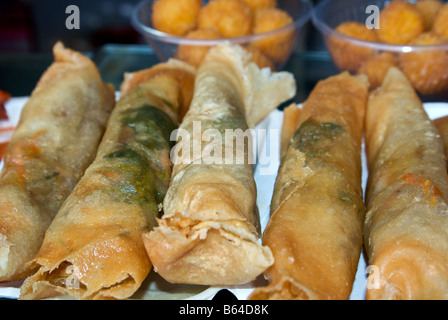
point(93, 247)
point(92, 224)
point(86, 181)
point(319, 222)
point(83, 177)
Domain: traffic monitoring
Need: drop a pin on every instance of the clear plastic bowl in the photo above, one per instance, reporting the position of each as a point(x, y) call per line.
point(167, 46)
point(426, 66)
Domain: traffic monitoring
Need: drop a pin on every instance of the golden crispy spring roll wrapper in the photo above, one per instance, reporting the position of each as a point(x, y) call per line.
point(406, 228)
point(175, 82)
point(289, 127)
point(317, 210)
point(209, 233)
point(442, 126)
point(55, 141)
point(93, 249)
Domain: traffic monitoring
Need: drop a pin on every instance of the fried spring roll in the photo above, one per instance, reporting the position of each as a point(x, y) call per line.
point(406, 227)
point(55, 140)
point(93, 249)
point(442, 126)
point(209, 233)
point(317, 210)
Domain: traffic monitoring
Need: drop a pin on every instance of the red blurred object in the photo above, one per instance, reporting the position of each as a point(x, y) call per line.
point(4, 97)
point(3, 147)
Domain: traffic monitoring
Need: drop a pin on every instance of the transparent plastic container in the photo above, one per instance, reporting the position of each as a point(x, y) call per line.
point(279, 43)
point(426, 66)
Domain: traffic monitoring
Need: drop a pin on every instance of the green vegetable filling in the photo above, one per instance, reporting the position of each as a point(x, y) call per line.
point(128, 156)
point(143, 179)
point(309, 137)
point(152, 127)
point(136, 184)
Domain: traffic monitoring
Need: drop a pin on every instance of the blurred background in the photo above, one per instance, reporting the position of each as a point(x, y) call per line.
point(30, 28)
point(35, 25)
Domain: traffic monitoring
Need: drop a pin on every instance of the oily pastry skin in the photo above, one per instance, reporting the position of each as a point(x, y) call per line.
point(55, 140)
point(317, 210)
point(210, 228)
point(406, 225)
point(442, 126)
point(93, 249)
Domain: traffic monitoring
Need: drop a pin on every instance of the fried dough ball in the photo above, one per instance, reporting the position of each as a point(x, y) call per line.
point(400, 22)
point(256, 4)
point(195, 54)
point(175, 17)
point(349, 56)
point(440, 25)
point(232, 18)
point(277, 47)
point(259, 58)
point(427, 70)
point(428, 9)
point(376, 67)
point(357, 30)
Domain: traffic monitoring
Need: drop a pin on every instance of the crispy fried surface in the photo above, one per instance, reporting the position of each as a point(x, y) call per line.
point(406, 235)
point(277, 47)
point(427, 70)
point(375, 67)
point(440, 25)
point(349, 56)
point(175, 17)
point(428, 9)
point(232, 18)
point(256, 4)
point(315, 229)
point(400, 22)
point(195, 54)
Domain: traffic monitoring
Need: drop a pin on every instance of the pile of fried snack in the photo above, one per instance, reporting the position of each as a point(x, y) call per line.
point(218, 19)
point(90, 196)
point(423, 23)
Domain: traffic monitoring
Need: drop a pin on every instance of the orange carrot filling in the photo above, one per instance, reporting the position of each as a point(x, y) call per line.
point(428, 186)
